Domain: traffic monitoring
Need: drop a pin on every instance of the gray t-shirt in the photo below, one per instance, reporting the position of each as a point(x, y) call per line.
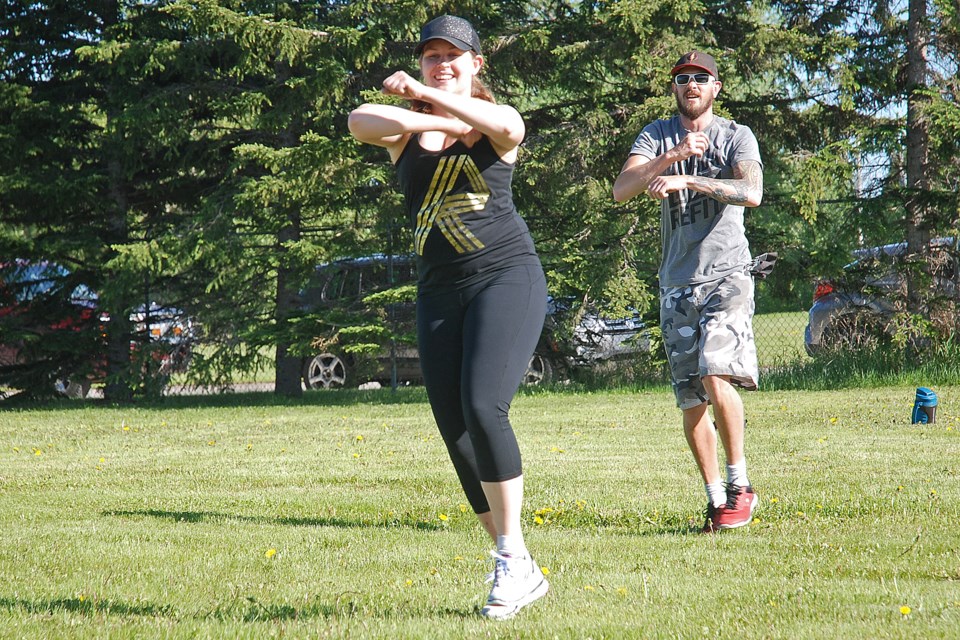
point(703, 239)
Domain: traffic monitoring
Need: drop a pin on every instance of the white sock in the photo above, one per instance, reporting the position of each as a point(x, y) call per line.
point(716, 493)
point(512, 546)
point(737, 474)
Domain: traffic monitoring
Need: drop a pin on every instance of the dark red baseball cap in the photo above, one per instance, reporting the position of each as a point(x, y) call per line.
point(697, 60)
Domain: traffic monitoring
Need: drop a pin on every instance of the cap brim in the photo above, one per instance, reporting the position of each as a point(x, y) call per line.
point(691, 65)
point(457, 42)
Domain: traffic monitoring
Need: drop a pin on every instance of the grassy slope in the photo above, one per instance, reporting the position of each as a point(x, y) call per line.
point(158, 522)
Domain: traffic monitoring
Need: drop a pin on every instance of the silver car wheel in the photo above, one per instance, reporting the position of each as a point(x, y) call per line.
point(325, 371)
point(539, 371)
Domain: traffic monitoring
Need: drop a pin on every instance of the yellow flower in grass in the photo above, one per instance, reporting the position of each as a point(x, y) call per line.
point(409, 583)
point(359, 438)
point(538, 520)
point(38, 452)
point(905, 610)
point(463, 508)
point(443, 517)
point(833, 420)
point(270, 553)
point(546, 570)
point(588, 587)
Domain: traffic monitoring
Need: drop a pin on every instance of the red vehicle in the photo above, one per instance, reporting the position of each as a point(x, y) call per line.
point(45, 318)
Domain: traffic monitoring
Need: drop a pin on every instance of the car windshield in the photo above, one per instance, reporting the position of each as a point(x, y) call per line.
point(33, 280)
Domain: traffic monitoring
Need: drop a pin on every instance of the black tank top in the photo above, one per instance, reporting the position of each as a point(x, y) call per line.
point(461, 207)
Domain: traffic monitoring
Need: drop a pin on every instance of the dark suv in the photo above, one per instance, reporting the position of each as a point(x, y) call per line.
point(855, 310)
point(340, 291)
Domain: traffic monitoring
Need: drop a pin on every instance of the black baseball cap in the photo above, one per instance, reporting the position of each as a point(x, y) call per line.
point(454, 30)
point(698, 60)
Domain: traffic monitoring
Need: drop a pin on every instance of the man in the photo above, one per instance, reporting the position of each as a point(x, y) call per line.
point(704, 169)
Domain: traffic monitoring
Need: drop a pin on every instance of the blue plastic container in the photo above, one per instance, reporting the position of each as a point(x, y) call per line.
point(925, 406)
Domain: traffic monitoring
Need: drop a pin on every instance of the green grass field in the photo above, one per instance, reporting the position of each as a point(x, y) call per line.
point(339, 516)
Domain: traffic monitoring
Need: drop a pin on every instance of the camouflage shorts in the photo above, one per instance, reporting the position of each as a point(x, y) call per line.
point(708, 330)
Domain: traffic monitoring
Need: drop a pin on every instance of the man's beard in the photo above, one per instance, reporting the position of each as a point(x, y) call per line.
point(693, 112)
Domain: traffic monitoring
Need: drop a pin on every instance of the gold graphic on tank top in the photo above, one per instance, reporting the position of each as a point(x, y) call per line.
point(442, 209)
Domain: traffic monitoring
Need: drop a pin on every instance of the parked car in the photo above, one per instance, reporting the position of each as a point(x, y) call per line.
point(343, 285)
point(854, 311)
point(29, 289)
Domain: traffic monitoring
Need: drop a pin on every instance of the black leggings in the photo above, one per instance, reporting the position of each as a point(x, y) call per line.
point(475, 344)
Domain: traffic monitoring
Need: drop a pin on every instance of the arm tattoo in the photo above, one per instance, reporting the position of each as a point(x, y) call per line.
point(747, 177)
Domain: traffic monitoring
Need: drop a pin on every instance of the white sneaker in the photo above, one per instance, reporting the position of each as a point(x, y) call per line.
point(516, 583)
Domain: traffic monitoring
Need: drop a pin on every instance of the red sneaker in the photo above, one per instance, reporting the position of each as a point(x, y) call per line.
point(738, 511)
point(709, 516)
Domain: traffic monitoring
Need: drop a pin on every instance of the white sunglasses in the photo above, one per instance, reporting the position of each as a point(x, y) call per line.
point(684, 78)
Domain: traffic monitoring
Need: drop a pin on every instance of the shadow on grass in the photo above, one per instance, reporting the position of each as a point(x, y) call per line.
point(210, 516)
point(332, 398)
point(247, 610)
point(85, 606)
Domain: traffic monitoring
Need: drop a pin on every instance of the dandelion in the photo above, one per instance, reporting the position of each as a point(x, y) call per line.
point(463, 508)
point(833, 420)
point(212, 443)
point(905, 610)
point(537, 520)
point(16, 449)
point(37, 452)
point(622, 591)
point(577, 434)
point(556, 450)
point(545, 570)
point(588, 587)
point(81, 597)
point(270, 553)
point(443, 517)
point(774, 500)
point(126, 428)
point(581, 504)
point(359, 438)
point(409, 582)
point(356, 455)
point(249, 446)
point(102, 460)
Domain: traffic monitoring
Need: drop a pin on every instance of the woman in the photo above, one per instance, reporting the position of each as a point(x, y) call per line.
point(481, 294)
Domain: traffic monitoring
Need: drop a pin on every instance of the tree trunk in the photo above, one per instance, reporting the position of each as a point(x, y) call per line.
point(918, 181)
point(118, 327)
point(288, 368)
